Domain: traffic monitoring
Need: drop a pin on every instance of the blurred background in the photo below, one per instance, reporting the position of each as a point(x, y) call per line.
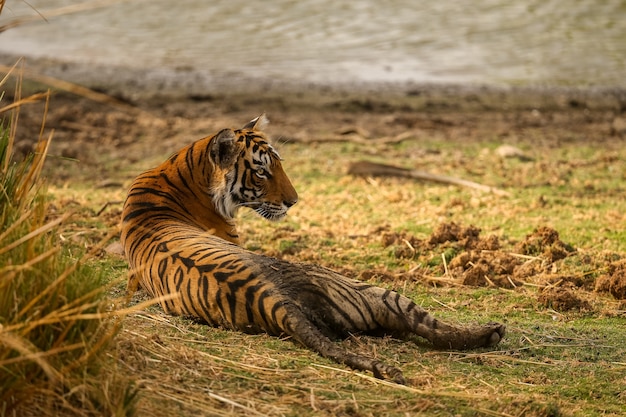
point(493, 42)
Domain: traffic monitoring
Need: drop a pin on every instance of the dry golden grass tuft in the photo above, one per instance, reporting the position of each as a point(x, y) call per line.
point(54, 319)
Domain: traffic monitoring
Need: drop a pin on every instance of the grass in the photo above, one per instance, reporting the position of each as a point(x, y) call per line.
point(561, 357)
point(56, 322)
point(557, 359)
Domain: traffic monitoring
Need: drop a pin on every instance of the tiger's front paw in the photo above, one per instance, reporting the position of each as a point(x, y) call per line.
point(133, 285)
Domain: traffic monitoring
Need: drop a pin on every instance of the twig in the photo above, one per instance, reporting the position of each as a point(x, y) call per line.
point(490, 282)
point(511, 281)
point(367, 168)
point(411, 248)
point(522, 256)
point(312, 400)
point(444, 280)
point(354, 136)
point(234, 403)
point(443, 304)
point(445, 264)
point(107, 204)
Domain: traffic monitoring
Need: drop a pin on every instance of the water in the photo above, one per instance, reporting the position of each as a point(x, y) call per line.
point(501, 42)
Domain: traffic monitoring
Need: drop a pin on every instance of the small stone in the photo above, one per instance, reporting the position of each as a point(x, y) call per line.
point(508, 151)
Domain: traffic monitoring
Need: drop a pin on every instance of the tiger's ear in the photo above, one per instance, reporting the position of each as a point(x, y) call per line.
point(257, 124)
point(223, 150)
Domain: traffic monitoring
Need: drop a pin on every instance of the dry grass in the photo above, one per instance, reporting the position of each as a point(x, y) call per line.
point(185, 368)
point(341, 222)
point(54, 320)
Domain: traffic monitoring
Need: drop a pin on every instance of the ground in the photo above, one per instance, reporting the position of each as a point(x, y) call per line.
point(548, 258)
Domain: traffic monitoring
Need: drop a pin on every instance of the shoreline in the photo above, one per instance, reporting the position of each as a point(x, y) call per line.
point(139, 116)
point(148, 87)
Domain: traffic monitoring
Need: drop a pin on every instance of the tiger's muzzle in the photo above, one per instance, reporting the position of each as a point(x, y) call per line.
point(274, 212)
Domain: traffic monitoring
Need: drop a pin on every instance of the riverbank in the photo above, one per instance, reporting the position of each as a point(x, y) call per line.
point(147, 86)
point(131, 104)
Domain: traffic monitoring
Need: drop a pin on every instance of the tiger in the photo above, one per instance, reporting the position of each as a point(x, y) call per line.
point(182, 245)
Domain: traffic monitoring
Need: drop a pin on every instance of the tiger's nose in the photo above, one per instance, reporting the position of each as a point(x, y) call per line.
point(290, 203)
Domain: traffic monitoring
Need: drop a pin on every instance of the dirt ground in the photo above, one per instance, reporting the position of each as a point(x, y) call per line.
point(481, 261)
point(129, 129)
point(108, 137)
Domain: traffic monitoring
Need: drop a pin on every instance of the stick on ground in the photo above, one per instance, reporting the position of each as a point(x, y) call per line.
point(366, 168)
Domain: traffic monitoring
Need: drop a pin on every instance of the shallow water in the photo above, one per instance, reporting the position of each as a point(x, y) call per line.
point(526, 42)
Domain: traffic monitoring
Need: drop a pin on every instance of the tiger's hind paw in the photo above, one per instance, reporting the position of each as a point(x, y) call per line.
point(459, 338)
point(486, 335)
point(498, 332)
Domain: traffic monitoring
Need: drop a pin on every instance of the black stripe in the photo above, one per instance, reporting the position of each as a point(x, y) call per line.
point(251, 291)
point(322, 296)
point(203, 301)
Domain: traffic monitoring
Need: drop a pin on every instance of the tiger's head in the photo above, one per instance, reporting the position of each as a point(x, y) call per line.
point(249, 173)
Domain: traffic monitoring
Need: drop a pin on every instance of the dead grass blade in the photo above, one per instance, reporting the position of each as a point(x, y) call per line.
point(75, 89)
point(244, 365)
point(30, 178)
point(27, 350)
point(27, 354)
point(33, 174)
point(501, 358)
point(16, 224)
point(391, 384)
point(9, 70)
point(62, 277)
point(34, 98)
point(29, 264)
point(76, 313)
point(191, 400)
point(234, 404)
point(37, 232)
